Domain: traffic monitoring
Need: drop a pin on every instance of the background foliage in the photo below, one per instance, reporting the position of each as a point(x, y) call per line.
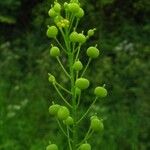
point(124, 66)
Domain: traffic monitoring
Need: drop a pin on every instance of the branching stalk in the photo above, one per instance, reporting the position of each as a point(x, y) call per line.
point(87, 111)
point(68, 137)
point(60, 126)
point(63, 88)
point(86, 67)
point(59, 93)
point(63, 67)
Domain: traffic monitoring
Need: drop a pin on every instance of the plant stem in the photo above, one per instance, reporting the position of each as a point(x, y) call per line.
point(72, 79)
point(78, 102)
point(86, 67)
point(78, 51)
point(87, 136)
point(59, 93)
point(63, 88)
point(73, 100)
point(87, 111)
point(71, 21)
point(63, 34)
point(68, 136)
point(61, 128)
point(77, 22)
point(60, 45)
point(63, 67)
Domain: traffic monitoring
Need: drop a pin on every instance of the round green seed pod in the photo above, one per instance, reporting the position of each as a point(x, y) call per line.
point(63, 113)
point(73, 7)
point(77, 66)
point(66, 6)
point(100, 91)
point(77, 91)
point(52, 32)
point(69, 121)
point(54, 51)
point(53, 109)
point(92, 52)
point(52, 13)
point(51, 78)
point(52, 147)
point(93, 117)
point(97, 125)
point(85, 146)
point(91, 32)
point(58, 19)
point(74, 37)
point(82, 83)
point(81, 38)
point(57, 7)
point(80, 13)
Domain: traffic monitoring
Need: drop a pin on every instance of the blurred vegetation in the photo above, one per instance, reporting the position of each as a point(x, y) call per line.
point(123, 35)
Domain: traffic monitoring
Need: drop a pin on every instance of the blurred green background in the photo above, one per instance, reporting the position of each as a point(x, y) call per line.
point(124, 66)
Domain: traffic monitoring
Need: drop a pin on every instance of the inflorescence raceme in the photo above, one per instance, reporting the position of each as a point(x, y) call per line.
point(66, 116)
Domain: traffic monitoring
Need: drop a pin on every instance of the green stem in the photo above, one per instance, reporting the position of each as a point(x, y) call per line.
point(77, 22)
point(72, 78)
point(63, 67)
point(71, 21)
point(68, 136)
point(78, 51)
point(86, 67)
point(87, 136)
point(71, 61)
point(60, 45)
point(74, 44)
point(59, 93)
point(61, 128)
point(87, 111)
point(63, 88)
point(78, 102)
point(62, 32)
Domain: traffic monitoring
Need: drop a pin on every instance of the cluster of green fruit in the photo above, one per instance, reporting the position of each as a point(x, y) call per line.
point(72, 44)
point(83, 83)
point(92, 52)
point(62, 113)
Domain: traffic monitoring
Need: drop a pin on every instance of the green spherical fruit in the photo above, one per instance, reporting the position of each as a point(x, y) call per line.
point(92, 52)
point(81, 38)
point(93, 117)
point(66, 6)
point(52, 32)
point(96, 124)
point(69, 121)
point(52, 13)
point(54, 51)
point(82, 83)
point(77, 91)
point(53, 109)
point(63, 113)
point(58, 19)
point(91, 32)
point(51, 79)
point(85, 146)
point(73, 37)
point(52, 147)
point(77, 66)
point(100, 91)
point(73, 7)
point(80, 13)
point(57, 7)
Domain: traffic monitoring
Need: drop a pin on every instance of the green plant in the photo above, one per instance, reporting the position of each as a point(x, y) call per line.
point(66, 116)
